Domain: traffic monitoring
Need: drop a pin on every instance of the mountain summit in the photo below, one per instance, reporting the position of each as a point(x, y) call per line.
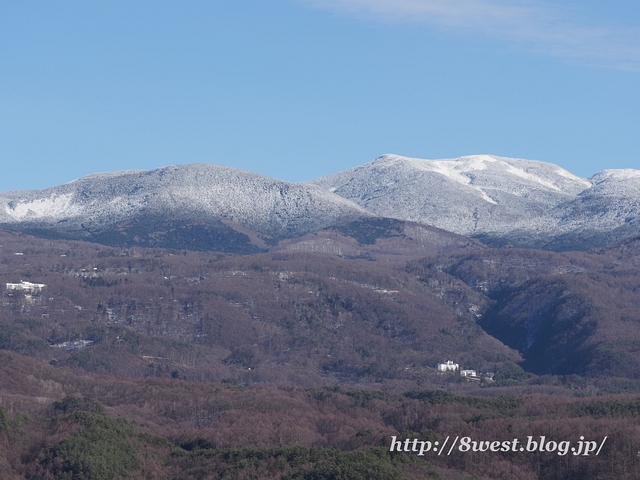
point(467, 195)
point(494, 198)
point(197, 192)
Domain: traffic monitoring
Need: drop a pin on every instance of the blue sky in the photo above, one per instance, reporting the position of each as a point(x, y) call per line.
point(296, 89)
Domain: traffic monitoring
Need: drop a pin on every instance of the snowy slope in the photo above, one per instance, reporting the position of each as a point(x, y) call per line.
point(468, 195)
point(613, 202)
point(197, 191)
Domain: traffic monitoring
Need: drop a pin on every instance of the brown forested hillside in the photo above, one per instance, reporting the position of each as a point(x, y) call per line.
point(567, 313)
point(309, 316)
point(284, 317)
point(60, 423)
point(303, 363)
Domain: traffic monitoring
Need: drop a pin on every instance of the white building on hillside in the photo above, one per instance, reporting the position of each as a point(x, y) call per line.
point(448, 367)
point(26, 286)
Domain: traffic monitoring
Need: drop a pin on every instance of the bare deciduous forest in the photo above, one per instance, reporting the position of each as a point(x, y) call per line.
point(291, 363)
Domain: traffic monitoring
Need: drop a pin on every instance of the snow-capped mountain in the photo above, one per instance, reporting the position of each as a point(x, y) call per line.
point(198, 192)
point(611, 207)
point(489, 196)
point(496, 199)
point(467, 195)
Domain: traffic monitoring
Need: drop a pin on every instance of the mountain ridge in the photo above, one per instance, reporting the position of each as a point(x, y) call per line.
point(498, 200)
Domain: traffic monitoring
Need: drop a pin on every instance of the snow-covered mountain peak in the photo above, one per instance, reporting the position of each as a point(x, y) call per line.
point(487, 172)
point(616, 182)
point(615, 174)
point(199, 191)
point(469, 195)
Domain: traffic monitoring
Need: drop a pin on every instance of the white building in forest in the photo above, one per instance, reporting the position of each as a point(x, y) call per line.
point(449, 366)
point(26, 286)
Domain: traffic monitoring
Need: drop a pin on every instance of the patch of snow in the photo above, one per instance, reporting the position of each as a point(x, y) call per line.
point(76, 345)
point(54, 206)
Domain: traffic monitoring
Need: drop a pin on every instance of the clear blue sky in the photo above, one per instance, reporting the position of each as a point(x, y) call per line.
point(296, 89)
